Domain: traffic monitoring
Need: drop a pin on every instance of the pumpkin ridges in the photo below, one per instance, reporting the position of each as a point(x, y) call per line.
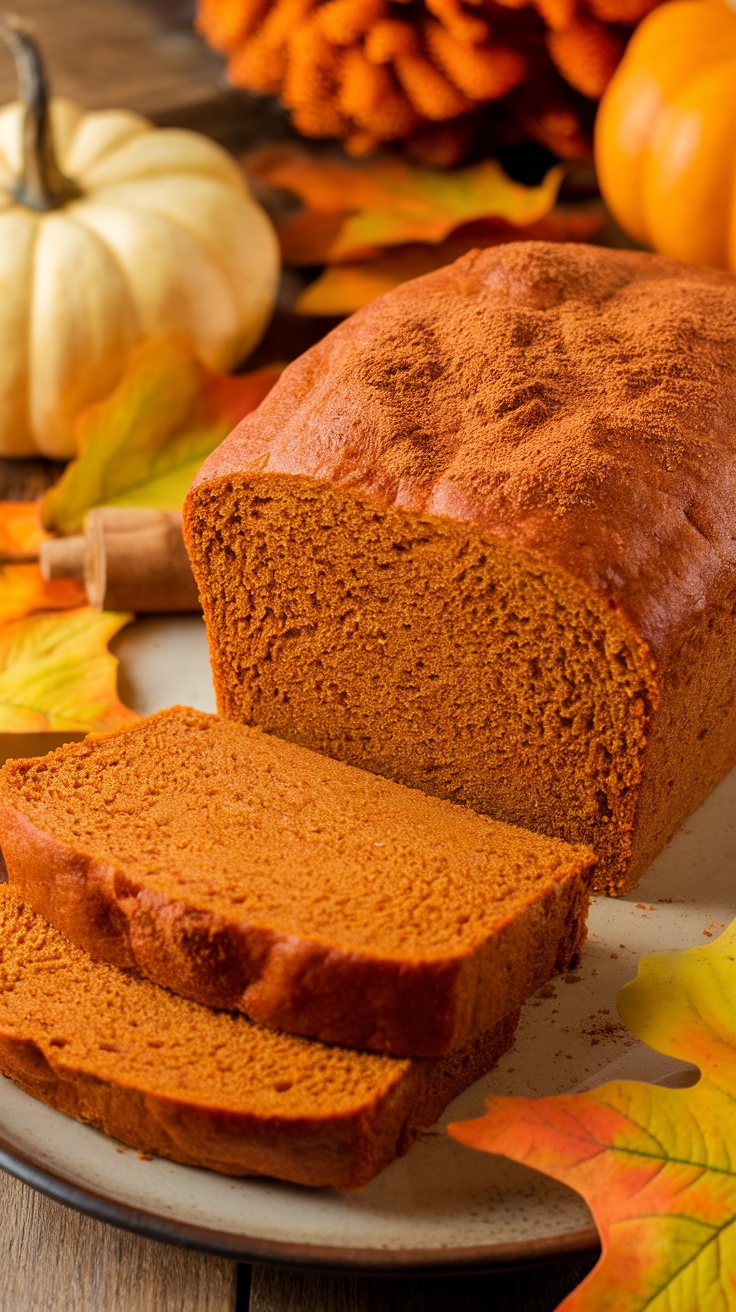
point(698, 223)
point(164, 152)
point(673, 48)
point(69, 314)
point(18, 233)
point(85, 150)
point(73, 273)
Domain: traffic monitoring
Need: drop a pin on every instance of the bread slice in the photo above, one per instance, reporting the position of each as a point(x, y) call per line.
point(480, 539)
point(251, 874)
point(207, 1088)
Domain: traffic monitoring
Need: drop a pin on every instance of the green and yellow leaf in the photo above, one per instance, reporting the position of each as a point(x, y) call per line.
point(656, 1166)
point(57, 674)
point(143, 445)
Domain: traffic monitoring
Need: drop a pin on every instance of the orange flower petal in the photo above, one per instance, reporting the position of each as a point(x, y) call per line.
point(461, 25)
point(370, 96)
point(481, 72)
point(343, 21)
point(557, 13)
point(587, 55)
point(430, 92)
point(312, 81)
point(390, 37)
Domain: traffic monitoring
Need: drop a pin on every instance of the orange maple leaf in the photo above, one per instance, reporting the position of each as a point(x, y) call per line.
point(21, 532)
point(354, 211)
point(23, 589)
point(657, 1166)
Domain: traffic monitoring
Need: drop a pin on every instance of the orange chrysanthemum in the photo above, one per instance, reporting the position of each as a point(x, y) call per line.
point(444, 76)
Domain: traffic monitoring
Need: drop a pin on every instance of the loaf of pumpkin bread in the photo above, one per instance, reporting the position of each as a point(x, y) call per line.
point(203, 1087)
point(480, 540)
point(251, 874)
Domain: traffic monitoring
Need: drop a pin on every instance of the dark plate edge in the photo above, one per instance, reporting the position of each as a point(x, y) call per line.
point(243, 1248)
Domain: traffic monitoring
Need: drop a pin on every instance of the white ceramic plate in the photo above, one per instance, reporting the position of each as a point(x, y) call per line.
point(442, 1206)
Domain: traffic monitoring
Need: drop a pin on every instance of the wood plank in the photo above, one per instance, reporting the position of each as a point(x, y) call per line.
point(533, 1289)
point(145, 56)
point(56, 1260)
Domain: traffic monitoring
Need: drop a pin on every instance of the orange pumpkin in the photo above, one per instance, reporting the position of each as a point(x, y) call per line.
point(666, 133)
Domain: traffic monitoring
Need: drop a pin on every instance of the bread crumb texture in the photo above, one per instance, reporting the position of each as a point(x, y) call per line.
point(248, 872)
point(169, 1076)
point(480, 540)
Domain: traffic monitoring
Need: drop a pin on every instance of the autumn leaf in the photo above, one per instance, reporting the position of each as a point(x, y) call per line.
point(144, 443)
point(23, 589)
point(389, 202)
point(657, 1166)
point(344, 288)
point(21, 531)
point(56, 673)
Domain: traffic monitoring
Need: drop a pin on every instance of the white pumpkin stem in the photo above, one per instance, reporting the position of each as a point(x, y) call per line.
point(42, 185)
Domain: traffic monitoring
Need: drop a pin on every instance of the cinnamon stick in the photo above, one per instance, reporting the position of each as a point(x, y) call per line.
point(129, 559)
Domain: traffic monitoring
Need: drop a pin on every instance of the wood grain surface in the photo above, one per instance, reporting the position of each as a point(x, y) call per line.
point(142, 56)
point(534, 1289)
point(53, 1259)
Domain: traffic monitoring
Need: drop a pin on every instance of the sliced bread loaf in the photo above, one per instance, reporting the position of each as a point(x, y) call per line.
point(480, 539)
point(202, 1087)
point(252, 874)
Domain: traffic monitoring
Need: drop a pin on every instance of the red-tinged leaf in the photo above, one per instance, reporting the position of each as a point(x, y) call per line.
point(656, 1166)
point(387, 201)
point(143, 445)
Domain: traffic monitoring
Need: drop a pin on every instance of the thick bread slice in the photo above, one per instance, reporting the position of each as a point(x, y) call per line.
point(206, 1088)
point(252, 874)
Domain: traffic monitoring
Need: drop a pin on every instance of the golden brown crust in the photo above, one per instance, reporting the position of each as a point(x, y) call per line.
point(562, 397)
point(422, 977)
point(169, 1077)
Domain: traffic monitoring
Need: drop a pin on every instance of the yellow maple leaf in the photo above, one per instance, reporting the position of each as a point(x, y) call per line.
point(56, 673)
point(144, 443)
point(657, 1166)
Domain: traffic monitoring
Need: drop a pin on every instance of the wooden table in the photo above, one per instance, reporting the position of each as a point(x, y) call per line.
point(143, 54)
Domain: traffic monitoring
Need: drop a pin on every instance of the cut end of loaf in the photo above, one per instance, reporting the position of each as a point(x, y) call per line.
point(415, 648)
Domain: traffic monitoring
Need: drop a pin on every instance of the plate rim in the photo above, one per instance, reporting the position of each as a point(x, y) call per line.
point(245, 1248)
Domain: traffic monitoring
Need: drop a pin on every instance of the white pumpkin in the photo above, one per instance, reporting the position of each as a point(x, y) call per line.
point(163, 238)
